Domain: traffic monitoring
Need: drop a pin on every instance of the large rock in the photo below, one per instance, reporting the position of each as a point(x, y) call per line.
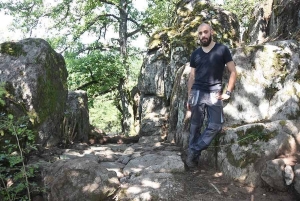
point(76, 121)
point(35, 78)
point(169, 50)
point(79, 179)
point(178, 129)
point(272, 174)
point(242, 152)
point(274, 20)
point(267, 87)
point(262, 116)
point(297, 178)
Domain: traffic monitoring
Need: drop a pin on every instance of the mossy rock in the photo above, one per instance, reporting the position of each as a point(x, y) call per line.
point(12, 49)
point(253, 134)
point(184, 27)
point(249, 158)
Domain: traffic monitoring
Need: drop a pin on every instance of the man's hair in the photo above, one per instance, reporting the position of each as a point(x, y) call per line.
point(205, 24)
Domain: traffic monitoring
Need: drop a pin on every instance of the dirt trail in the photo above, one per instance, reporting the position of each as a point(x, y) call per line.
point(204, 184)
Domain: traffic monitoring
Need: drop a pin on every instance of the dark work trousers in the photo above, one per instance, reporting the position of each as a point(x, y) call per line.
point(202, 103)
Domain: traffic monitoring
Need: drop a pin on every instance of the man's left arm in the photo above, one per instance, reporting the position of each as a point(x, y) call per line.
point(233, 74)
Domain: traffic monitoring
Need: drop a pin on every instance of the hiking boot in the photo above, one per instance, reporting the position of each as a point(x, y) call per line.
point(190, 163)
point(191, 160)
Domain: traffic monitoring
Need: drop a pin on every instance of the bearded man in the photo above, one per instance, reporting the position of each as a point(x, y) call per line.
point(205, 91)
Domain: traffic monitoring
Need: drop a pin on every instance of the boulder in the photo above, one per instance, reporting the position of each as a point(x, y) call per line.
point(178, 129)
point(35, 78)
point(79, 179)
point(169, 50)
point(262, 116)
point(267, 86)
point(274, 20)
point(272, 174)
point(297, 178)
point(76, 120)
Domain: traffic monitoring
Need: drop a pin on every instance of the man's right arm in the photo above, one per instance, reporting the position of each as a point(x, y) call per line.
point(190, 83)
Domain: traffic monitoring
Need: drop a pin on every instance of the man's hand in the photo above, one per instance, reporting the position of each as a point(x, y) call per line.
point(223, 96)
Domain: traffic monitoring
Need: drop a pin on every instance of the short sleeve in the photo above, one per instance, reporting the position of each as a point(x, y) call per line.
point(227, 55)
point(192, 60)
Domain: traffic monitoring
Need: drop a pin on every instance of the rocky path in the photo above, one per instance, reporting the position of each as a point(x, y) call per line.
point(147, 170)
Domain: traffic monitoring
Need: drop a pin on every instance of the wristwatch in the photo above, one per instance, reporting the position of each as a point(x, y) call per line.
point(228, 93)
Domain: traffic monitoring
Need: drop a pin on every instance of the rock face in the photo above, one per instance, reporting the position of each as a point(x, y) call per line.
point(262, 118)
point(267, 87)
point(35, 78)
point(79, 179)
point(141, 171)
point(169, 50)
point(274, 20)
point(76, 120)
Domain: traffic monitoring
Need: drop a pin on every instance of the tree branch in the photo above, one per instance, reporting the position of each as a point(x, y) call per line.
point(92, 22)
point(84, 86)
point(97, 47)
point(105, 91)
point(140, 27)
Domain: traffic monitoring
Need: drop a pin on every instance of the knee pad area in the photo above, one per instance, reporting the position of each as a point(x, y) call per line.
point(215, 127)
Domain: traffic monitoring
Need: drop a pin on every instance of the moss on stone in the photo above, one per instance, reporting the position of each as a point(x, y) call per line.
point(48, 101)
point(249, 50)
point(240, 108)
point(270, 92)
point(12, 49)
point(253, 134)
point(243, 162)
point(297, 75)
point(282, 122)
point(279, 62)
point(200, 6)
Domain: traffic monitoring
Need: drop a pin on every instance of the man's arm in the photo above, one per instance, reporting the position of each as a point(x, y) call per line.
point(232, 79)
point(190, 84)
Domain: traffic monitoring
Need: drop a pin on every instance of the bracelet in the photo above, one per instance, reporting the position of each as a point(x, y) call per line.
point(228, 93)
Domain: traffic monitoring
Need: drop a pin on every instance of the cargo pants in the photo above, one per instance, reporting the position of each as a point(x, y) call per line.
point(201, 104)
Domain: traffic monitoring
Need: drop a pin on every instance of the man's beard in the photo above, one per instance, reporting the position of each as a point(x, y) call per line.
point(205, 44)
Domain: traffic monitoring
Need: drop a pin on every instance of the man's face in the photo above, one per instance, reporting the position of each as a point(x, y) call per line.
point(205, 35)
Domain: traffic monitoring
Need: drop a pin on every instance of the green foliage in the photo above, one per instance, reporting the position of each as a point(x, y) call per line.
point(105, 115)
point(255, 133)
point(16, 141)
point(242, 8)
point(11, 48)
point(2, 93)
point(96, 72)
point(160, 13)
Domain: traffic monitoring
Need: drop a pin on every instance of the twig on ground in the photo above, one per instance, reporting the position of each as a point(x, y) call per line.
point(215, 188)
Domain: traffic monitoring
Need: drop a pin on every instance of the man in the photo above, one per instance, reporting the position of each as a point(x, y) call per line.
point(205, 91)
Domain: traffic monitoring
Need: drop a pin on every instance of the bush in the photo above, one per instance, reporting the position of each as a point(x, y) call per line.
point(16, 141)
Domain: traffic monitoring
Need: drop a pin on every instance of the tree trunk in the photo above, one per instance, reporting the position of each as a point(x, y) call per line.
point(124, 95)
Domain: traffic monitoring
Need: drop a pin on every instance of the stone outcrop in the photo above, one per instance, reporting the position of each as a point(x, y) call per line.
point(76, 121)
point(79, 179)
point(35, 77)
point(274, 20)
point(267, 87)
point(169, 50)
point(262, 116)
point(139, 171)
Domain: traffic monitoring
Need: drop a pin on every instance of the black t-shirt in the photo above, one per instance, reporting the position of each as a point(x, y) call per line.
point(209, 67)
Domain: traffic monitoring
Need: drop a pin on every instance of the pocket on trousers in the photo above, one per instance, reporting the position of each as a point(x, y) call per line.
point(214, 100)
point(193, 98)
